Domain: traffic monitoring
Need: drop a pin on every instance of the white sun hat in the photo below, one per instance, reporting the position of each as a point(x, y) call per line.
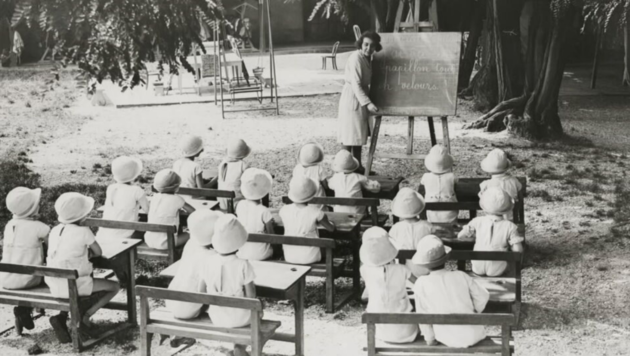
point(237, 149)
point(376, 249)
point(438, 160)
point(166, 181)
point(191, 145)
point(496, 162)
point(496, 201)
point(201, 224)
point(430, 252)
point(302, 189)
point(407, 204)
point(344, 162)
point(72, 207)
point(126, 169)
point(310, 154)
point(255, 183)
point(23, 202)
point(229, 234)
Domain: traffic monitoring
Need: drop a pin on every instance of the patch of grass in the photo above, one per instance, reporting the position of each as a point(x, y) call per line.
point(543, 194)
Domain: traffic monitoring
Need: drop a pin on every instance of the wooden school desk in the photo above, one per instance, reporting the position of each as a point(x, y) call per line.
point(277, 281)
point(120, 256)
point(389, 188)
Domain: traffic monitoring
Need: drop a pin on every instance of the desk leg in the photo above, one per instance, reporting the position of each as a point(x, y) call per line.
point(446, 138)
point(356, 264)
point(432, 131)
point(131, 288)
point(373, 141)
point(299, 318)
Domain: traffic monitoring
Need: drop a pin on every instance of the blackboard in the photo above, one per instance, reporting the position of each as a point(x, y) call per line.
point(415, 74)
point(207, 65)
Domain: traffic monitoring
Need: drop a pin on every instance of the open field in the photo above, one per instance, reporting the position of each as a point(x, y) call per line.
point(576, 280)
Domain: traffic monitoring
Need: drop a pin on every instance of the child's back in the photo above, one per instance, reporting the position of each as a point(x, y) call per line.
point(350, 185)
point(440, 188)
point(254, 216)
point(407, 233)
point(301, 221)
point(123, 202)
point(188, 170)
point(164, 209)
point(230, 179)
point(450, 292)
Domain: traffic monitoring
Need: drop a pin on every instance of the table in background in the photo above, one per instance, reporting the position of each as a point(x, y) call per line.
point(276, 281)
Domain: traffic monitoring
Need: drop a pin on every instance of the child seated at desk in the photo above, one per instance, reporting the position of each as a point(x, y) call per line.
point(385, 282)
point(231, 169)
point(164, 209)
point(309, 158)
point(124, 199)
point(257, 218)
point(348, 184)
point(492, 232)
point(446, 292)
point(22, 245)
point(497, 164)
point(71, 245)
point(227, 275)
point(301, 219)
point(405, 234)
point(439, 183)
point(190, 171)
point(196, 252)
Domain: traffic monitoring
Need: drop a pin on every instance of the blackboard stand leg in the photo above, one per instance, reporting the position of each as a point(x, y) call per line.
point(410, 136)
point(432, 131)
point(373, 141)
point(446, 138)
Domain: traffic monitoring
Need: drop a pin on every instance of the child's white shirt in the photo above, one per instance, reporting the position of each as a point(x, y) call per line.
point(316, 173)
point(254, 216)
point(230, 179)
point(508, 183)
point(405, 234)
point(301, 221)
point(492, 233)
point(386, 287)
point(188, 279)
point(188, 170)
point(227, 276)
point(440, 188)
point(123, 203)
point(68, 246)
point(350, 185)
point(164, 209)
point(450, 292)
point(22, 246)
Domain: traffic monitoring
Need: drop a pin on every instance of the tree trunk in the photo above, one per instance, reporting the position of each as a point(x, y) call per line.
point(385, 13)
point(470, 53)
point(534, 114)
point(626, 46)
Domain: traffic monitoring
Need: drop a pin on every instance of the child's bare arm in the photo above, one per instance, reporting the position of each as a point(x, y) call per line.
point(467, 233)
point(199, 180)
point(518, 247)
point(95, 249)
point(250, 290)
point(327, 224)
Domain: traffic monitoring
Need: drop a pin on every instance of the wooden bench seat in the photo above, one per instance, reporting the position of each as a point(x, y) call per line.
point(371, 205)
point(40, 298)
point(501, 289)
point(162, 322)
point(503, 345)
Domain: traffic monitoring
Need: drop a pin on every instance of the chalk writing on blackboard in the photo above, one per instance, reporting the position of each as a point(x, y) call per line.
point(416, 74)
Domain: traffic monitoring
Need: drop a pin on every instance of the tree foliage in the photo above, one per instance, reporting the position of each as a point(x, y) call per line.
point(115, 38)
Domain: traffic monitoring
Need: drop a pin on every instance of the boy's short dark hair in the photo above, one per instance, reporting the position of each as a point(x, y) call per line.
point(375, 37)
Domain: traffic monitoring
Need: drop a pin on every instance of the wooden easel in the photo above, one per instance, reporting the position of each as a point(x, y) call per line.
point(417, 26)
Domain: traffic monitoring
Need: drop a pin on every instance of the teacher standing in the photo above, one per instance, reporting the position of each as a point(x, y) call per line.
point(355, 104)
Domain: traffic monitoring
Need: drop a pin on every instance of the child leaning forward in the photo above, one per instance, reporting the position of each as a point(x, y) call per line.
point(348, 184)
point(257, 218)
point(70, 247)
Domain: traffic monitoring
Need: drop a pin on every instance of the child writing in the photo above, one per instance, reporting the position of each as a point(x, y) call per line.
point(309, 158)
point(385, 283)
point(492, 232)
point(164, 209)
point(497, 164)
point(22, 245)
point(405, 234)
point(196, 252)
point(190, 171)
point(227, 275)
point(71, 246)
point(123, 199)
point(257, 218)
point(231, 169)
point(301, 219)
point(446, 292)
point(348, 184)
point(439, 183)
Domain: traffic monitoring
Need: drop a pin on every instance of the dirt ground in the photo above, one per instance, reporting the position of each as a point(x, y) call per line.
point(576, 280)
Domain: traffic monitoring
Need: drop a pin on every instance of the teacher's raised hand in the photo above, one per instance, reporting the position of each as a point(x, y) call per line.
point(371, 107)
